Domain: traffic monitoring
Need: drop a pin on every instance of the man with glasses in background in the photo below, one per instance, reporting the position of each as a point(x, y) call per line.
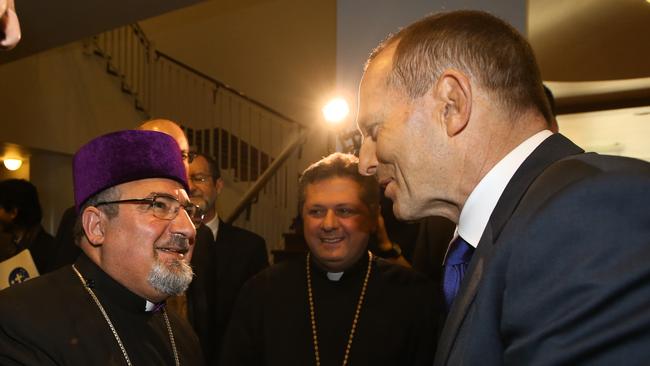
point(234, 256)
point(135, 231)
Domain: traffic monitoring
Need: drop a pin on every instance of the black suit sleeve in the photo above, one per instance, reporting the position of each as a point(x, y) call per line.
point(242, 345)
point(259, 258)
point(578, 291)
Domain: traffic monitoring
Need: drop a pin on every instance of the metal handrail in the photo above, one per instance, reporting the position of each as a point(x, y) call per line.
point(266, 176)
point(220, 84)
point(252, 139)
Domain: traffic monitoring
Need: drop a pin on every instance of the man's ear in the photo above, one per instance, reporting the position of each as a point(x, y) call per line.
point(218, 184)
point(455, 92)
point(93, 221)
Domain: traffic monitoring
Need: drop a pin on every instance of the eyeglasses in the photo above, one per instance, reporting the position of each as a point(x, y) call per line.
point(189, 156)
point(164, 207)
point(199, 178)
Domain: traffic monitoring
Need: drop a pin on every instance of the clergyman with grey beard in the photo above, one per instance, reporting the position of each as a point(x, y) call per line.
point(136, 234)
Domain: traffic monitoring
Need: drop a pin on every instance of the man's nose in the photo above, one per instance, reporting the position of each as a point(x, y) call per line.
point(330, 221)
point(368, 157)
point(182, 224)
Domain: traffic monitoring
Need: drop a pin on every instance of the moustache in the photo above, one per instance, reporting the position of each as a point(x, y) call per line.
point(177, 243)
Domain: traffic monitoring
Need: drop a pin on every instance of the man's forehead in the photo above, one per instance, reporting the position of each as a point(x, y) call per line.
point(199, 165)
point(149, 186)
point(374, 90)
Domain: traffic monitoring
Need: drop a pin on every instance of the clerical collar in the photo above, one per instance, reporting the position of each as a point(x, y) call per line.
point(356, 269)
point(478, 208)
point(334, 276)
point(149, 306)
point(107, 289)
point(213, 225)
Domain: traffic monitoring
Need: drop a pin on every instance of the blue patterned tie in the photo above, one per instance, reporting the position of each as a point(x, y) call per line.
point(456, 261)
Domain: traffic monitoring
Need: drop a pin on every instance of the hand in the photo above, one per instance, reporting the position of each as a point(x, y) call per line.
point(9, 25)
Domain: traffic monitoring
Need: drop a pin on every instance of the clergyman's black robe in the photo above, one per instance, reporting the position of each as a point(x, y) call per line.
point(271, 323)
point(52, 320)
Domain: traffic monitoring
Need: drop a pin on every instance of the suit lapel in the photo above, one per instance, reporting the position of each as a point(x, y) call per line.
point(465, 297)
point(551, 150)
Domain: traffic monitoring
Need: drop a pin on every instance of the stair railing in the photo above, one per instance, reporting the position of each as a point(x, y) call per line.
point(256, 146)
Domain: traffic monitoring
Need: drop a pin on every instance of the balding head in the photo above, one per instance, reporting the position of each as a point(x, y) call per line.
point(172, 129)
point(168, 127)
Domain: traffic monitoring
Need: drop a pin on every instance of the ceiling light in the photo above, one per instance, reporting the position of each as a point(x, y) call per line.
point(336, 110)
point(13, 164)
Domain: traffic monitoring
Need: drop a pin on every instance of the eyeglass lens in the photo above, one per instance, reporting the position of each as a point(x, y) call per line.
point(167, 208)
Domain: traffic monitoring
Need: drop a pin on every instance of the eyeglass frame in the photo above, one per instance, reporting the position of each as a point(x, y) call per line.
point(202, 178)
point(196, 217)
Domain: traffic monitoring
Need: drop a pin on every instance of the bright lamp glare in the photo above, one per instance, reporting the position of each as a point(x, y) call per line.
point(13, 164)
point(336, 110)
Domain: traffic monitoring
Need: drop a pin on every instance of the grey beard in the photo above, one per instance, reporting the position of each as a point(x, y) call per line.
point(171, 280)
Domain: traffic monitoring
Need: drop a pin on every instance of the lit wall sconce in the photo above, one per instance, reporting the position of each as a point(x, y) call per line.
point(13, 164)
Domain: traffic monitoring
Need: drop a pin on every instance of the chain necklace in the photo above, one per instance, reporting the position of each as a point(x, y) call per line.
point(110, 324)
point(312, 313)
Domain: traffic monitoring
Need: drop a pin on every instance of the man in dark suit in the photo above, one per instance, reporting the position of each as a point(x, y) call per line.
point(235, 256)
point(550, 264)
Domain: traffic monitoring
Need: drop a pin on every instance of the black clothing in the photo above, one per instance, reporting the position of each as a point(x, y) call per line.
point(40, 244)
point(433, 238)
point(221, 268)
point(52, 320)
point(202, 293)
point(560, 275)
point(271, 321)
point(66, 251)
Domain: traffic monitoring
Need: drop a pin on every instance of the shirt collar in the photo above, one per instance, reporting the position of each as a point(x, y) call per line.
point(213, 225)
point(481, 202)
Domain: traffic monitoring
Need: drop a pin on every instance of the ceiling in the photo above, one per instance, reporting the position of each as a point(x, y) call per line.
point(593, 54)
point(585, 40)
point(48, 24)
point(576, 41)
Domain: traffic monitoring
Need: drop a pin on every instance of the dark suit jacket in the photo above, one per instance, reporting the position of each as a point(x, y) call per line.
point(222, 267)
point(202, 292)
point(561, 275)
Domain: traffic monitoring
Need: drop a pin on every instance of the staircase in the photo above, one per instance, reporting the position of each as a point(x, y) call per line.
point(257, 147)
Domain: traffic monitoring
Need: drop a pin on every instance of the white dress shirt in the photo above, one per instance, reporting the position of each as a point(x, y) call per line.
point(481, 202)
point(213, 225)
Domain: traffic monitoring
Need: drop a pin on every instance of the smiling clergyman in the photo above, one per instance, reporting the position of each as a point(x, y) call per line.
point(137, 237)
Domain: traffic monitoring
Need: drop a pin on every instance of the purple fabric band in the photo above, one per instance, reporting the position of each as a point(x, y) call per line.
point(125, 156)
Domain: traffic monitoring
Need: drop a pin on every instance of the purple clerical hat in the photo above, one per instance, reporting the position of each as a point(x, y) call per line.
point(125, 156)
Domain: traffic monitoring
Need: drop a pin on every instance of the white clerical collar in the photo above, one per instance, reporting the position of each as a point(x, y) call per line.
point(213, 225)
point(481, 202)
point(334, 276)
point(149, 306)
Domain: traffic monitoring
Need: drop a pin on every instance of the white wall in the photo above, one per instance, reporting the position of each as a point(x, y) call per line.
point(623, 132)
point(60, 99)
point(52, 103)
